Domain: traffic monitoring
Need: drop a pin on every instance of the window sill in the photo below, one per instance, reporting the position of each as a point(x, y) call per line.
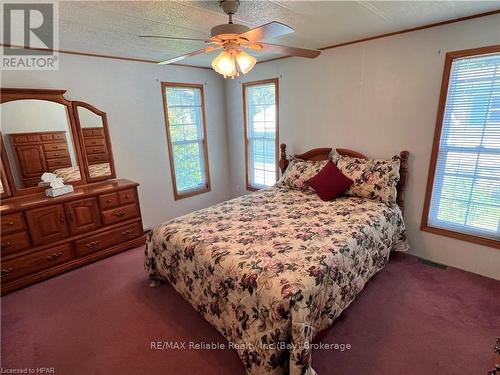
point(251, 188)
point(191, 193)
point(462, 236)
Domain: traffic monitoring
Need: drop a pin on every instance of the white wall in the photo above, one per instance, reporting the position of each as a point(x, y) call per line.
point(377, 97)
point(130, 93)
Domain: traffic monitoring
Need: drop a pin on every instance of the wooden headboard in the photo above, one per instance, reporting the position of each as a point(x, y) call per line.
point(324, 153)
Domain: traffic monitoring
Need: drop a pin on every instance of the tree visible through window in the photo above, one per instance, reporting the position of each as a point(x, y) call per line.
point(185, 119)
point(466, 187)
point(261, 132)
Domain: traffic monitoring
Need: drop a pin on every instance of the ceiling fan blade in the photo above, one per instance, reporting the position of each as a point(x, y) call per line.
point(289, 51)
point(194, 53)
point(267, 31)
point(174, 38)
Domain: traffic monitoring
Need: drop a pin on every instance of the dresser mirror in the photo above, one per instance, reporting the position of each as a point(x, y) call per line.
point(38, 139)
point(4, 186)
point(42, 132)
point(96, 143)
point(5, 190)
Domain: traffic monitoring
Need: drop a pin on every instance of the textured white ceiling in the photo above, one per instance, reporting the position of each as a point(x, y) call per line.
point(112, 27)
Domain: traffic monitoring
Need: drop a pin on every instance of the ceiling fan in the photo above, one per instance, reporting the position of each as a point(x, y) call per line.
point(234, 38)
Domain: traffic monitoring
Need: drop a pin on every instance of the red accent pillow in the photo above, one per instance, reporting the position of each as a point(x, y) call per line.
point(330, 182)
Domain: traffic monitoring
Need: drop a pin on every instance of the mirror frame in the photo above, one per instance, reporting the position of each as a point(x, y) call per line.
point(9, 186)
point(12, 94)
point(105, 127)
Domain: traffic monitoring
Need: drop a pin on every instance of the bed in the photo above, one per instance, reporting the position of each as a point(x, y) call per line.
point(73, 173)
point(271, 269)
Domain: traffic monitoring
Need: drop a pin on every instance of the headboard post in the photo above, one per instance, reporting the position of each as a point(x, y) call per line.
point(403, 179)
point(283, 160)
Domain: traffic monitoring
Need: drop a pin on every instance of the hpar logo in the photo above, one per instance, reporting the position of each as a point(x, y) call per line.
point(30, 36)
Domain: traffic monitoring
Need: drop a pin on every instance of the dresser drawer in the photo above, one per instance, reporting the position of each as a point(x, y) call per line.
point(12, 222)
point(56, 154)
point(46, 137)
point(31, 182)
point(14, 242)
point(96, 150)
point(127, 196)
point(59, 137)
point(87, 132)
point(58, 163)
point(119, 214)
point(32, 263)
point(109, 200)
point(55, 146)
point(26, 138)
point(97, 157)
point(102, 241)
point(94, 142)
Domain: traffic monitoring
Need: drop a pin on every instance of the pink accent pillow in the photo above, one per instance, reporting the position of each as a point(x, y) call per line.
point(330, 182)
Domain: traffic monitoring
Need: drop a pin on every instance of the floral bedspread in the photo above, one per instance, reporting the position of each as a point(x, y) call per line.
point(68, 174)
point(73, 173)
point(271, 269)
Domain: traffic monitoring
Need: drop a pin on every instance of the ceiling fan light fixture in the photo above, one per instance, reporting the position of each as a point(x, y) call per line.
point(245, 62)
point(224, 64)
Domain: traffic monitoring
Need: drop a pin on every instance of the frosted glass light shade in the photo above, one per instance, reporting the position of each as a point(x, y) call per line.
point(245, 62)
point(224, 64)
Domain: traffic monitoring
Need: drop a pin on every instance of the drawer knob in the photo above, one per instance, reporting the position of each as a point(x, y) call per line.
point(10, 223)
point(120, 214)
point(61, 219)
point(6, 271)
point(92, 244)
point(108, 201)
point(56, 154)
point(127, 233)
point(53, 257)
point(5, 245)
point(55, 147)
point(127, 196)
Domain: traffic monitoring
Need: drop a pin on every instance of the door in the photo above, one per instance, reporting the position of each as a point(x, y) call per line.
point(47, 224)
point(31, 160)
point(83, 215)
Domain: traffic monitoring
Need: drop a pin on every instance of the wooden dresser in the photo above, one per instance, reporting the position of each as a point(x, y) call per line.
point(39, 152)
point(95, 145)
point(43, 237)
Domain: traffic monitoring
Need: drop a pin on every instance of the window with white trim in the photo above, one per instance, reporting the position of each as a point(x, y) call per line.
point(185, 120)
point(466, 188)
point(261, 132)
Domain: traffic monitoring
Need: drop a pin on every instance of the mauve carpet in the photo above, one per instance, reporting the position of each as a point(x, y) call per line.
point(102, 318)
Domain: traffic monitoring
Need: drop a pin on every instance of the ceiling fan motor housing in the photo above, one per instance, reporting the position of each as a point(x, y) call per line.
point(228, 30)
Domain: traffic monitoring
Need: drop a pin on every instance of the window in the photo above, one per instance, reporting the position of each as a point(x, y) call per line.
point(463, 192)
point(187, 146)
point(260, 100)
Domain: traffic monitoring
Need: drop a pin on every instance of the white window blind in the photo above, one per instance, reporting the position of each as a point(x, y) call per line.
point(466, 191)
point(261, 134)
point(185, 127)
